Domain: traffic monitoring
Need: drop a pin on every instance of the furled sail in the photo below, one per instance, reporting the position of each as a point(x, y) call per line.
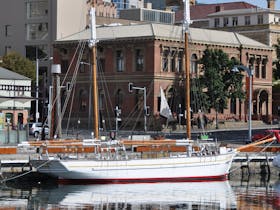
point(165, 110)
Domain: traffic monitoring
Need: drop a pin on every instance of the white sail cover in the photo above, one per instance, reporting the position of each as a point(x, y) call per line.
point(164, 107)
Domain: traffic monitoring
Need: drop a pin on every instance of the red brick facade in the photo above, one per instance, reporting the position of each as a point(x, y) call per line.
point(140, 61)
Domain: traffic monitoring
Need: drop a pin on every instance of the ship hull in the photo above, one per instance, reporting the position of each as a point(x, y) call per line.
point(196, 168)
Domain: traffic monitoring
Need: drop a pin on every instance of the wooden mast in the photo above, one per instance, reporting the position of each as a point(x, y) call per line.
point(187, 66)
point(92, 45)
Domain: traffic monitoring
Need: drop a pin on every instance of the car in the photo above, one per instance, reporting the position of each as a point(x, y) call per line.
point(36, 128)
point(267, 134)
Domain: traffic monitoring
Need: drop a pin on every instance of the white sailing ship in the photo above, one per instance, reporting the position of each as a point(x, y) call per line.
point(200, 162)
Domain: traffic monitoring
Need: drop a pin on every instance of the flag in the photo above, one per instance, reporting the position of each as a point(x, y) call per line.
point(164, 108)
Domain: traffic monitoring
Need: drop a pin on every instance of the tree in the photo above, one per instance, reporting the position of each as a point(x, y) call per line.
point(219, 82)
point(276, 63)
point(21, 65)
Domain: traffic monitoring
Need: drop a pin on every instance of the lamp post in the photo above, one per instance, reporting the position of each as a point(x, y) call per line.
point(37, 114)
point(146, 108)
point(250, 73)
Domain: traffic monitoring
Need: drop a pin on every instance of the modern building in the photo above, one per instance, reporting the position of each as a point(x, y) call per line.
point(152, 56)
point(37, 24)
point(148, 14)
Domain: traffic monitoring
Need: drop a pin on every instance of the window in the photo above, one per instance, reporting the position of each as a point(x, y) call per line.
point(234, 21)
point(36, 51)
point(260, 19)
point(37, 31)
point(264, 62)
point(180, 61)
point(101, 64)
point(139, 60)
point(217, 22)
point(225, 21)
point(8, 30)
point(83, 96)
point(247, 20)
point(119, 61)
point(173, 60)
point(64, 66)
point(164, 64)
point(37, 9)
point(194, 64)
point(257, 68)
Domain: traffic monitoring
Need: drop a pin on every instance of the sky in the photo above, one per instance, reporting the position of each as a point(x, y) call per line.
point(259, 3)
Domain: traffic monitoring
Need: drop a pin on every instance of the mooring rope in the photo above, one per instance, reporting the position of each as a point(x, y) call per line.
point(23, 174)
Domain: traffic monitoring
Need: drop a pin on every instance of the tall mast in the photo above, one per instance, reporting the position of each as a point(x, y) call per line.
point(92, 45)
point(187, 65)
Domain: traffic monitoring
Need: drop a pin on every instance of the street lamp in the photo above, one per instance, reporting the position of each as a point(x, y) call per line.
point(37, 114)
point(146, 108)
point(250, 73)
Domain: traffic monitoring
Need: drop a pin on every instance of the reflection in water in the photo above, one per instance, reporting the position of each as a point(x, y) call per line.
point(256, 192)
point(213, 195)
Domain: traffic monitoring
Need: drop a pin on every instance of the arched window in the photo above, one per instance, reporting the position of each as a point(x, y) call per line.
point(83, 97)
point(194, 64)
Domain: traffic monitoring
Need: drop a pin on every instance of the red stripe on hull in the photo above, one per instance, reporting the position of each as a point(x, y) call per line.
point(145, 180)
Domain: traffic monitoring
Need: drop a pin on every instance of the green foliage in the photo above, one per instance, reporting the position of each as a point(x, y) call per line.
point(21, 65)
point(219, 82)
point(276, 63)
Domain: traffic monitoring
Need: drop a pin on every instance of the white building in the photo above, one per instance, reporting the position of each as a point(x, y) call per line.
point(15, 98)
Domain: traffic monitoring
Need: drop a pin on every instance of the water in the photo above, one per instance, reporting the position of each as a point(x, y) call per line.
point(253, 193)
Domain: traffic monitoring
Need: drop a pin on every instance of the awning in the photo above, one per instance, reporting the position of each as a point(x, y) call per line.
point(21, 99)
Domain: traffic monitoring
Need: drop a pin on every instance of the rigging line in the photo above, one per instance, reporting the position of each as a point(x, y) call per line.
point(53, 102)
point(268, 145)
point(104, 84)
point(74, 78)
point(73, 81)
point(71, 106)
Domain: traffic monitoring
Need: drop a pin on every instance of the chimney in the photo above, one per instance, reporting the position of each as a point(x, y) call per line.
point(219, 8)
point(271, 4)
point(192, 2)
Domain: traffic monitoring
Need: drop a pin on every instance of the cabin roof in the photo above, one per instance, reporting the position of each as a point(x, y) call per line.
point(165, 32)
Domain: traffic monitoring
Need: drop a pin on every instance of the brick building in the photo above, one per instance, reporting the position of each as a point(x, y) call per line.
point(152, 56)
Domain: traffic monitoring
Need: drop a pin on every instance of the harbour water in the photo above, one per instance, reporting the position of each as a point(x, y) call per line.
point(248, 193)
